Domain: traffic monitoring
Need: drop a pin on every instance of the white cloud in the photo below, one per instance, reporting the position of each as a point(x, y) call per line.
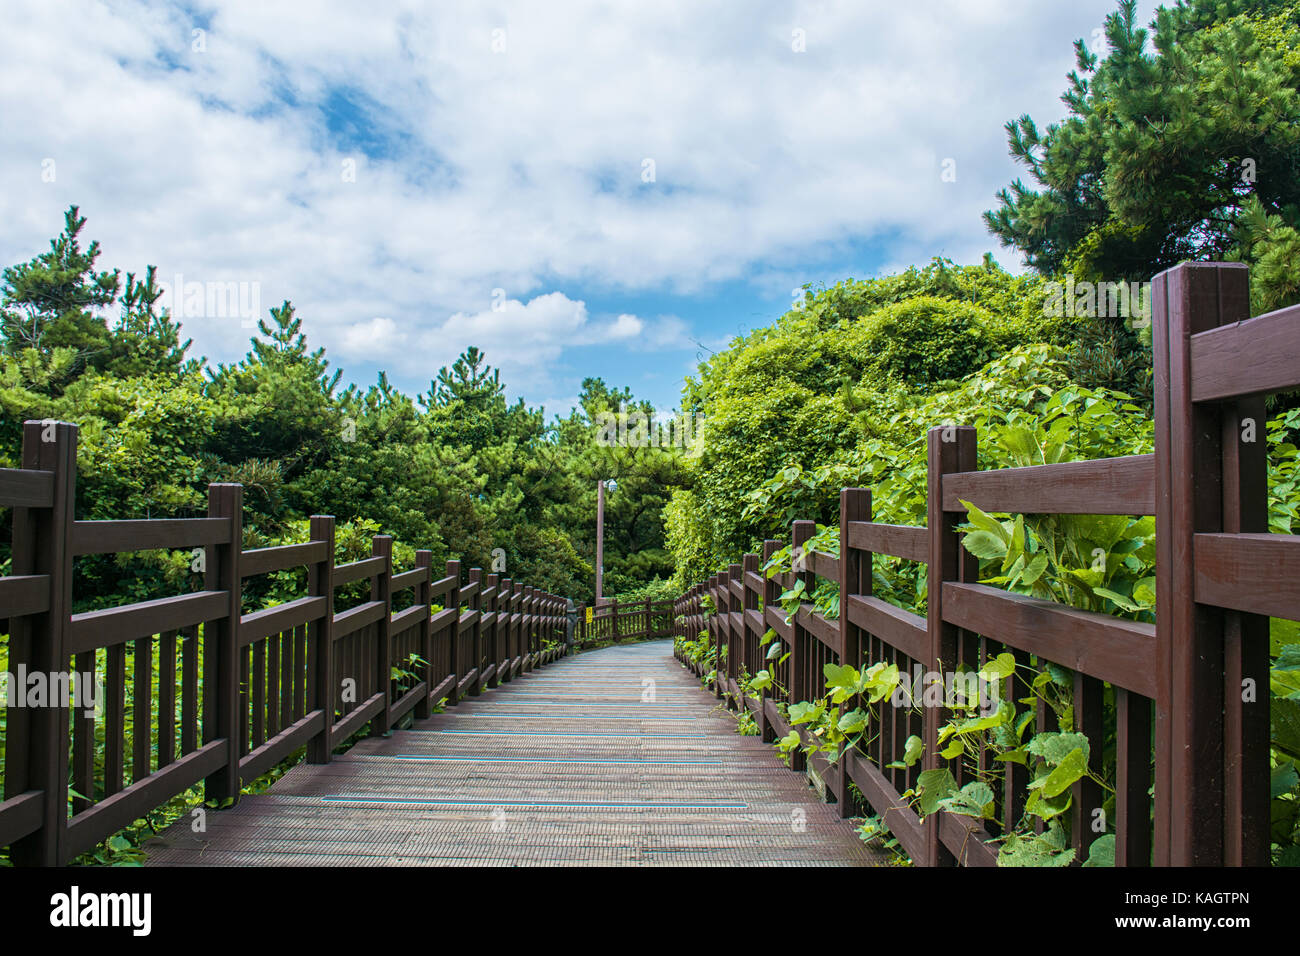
point(519, 170)
point(379, 338)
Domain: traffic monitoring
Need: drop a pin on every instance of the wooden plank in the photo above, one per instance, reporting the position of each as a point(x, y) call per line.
point(26, 488)
point(225, 714)
point(166, 698)
point(896, 627)
point(1256, 573)
point(20, 816)
point(112, 814)
point(823, 565)
point(1189, 299)
point(444, 688)
point(407, 618)
point(774, 617)
point(357, 570)
point(1250, 357)
point(411, 578)
point(91, 630)
point(949, 450)
point(899, 541)
point(354, 721)
point(814, 623)
point(354, 619)
point(884, 799)
point(1107, 486)
point(142, 706)
point(409, 700)
point(442, 586)
point(283, 617)
point(111, 537)
point(189, 691)
point(22, 594)
point(114, 718)
point(1247, 783)
point(1132, 779)
point(261, 759)
point(42, 543)
point(281, 558)
point(966, 840)
point(1120, 652)
point(319, 645)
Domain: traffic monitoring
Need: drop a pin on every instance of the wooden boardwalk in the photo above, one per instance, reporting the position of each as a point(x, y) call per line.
point(614, 757)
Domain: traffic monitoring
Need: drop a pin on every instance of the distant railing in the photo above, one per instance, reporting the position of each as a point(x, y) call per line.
point(624, 621)
point(195, 690)
point(1185, 700)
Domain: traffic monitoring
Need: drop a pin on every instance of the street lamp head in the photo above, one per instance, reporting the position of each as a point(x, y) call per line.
point(612, 485)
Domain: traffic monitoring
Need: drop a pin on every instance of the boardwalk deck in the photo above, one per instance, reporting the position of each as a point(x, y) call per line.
point(567, 766)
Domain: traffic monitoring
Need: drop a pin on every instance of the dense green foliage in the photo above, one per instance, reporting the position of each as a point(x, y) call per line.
point(458, 469)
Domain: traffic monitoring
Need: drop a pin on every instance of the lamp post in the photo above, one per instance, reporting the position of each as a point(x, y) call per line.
point(600, 535)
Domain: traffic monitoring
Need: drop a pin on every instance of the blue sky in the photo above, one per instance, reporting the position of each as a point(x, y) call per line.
point(421, 177)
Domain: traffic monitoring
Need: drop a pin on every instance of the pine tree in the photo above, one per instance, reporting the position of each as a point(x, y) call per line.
point(50, 302)
point(1161, 151)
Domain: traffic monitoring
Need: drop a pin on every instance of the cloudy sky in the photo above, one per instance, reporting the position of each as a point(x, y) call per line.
point(578, 188)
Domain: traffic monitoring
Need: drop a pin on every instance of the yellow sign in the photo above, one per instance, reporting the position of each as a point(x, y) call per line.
point(588, 615)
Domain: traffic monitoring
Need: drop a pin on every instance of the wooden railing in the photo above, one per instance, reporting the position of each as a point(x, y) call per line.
point(625, 621)
point(1175, 697)
point(217, 695)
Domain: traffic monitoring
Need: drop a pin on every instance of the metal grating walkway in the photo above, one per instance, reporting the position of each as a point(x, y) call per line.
point(614, 757)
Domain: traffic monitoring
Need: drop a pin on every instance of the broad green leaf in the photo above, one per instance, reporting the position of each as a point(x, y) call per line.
point(933, 786)
point(1000, 668)
point(984, 545)
point(985, 522)
point(1065, 774)
point(1102, 851)
point(853, 722)
point(1054, 747)
point(840, 675)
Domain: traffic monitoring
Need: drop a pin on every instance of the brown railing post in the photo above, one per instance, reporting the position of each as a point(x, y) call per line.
point(513, 627)
point(1211, 745)
point(492, 640)
point(424, 559)
point(381, 590)
point(950, 449)
point(455, 665)
point(770, 594)
point(855, 578)
point(43, 537)
point(801, 686)
point(223, 710)
point(320, 640)
point(724, 634)
point(476, 634)
point(749, 636)
point(529, 609)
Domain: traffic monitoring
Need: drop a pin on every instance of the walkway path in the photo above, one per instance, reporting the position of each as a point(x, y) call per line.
point(613, 757)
